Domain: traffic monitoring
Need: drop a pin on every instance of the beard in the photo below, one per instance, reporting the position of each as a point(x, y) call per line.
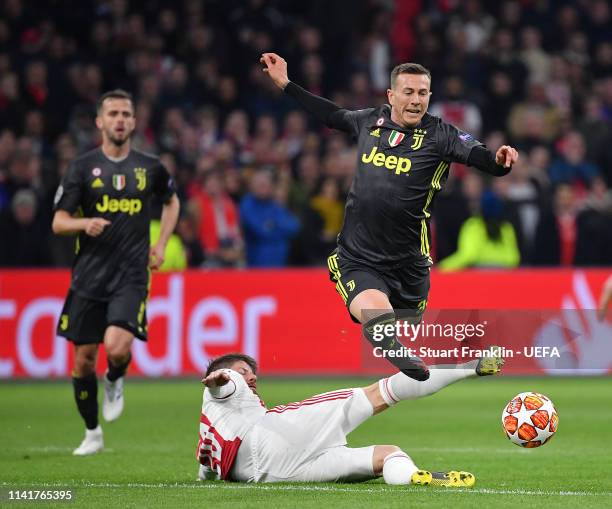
point(118, 142)
point(118, 139)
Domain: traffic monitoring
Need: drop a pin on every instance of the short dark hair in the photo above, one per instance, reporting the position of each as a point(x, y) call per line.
point(408, 68)
point(225, 361)
point(118, 93)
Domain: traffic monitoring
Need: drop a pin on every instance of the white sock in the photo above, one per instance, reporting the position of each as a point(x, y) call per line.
point(399, 387)
point(398, 468)
point(93, 432)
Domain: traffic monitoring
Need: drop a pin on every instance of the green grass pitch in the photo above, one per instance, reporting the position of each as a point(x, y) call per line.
point(149, 460)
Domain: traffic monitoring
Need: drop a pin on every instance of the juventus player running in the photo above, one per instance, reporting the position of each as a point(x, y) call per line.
point(242, 440)
point(104, 199)
point(382, 261)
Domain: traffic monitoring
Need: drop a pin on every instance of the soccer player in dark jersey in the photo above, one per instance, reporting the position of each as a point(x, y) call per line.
point(382, 261)
point(104, 199)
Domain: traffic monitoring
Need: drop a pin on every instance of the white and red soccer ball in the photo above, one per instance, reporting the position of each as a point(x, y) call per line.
point(530, 419)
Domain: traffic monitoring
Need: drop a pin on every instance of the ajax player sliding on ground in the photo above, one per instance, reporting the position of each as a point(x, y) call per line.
point(242, 440)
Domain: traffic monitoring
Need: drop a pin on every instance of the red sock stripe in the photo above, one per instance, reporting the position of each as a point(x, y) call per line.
point(398, 454)
point(388, 390)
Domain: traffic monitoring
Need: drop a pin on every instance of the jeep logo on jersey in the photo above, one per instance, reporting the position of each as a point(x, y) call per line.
point(395, 138)
point(417, 139)
point(119, 182)
point(141, 178)
point(127, 206)
point(399, 164)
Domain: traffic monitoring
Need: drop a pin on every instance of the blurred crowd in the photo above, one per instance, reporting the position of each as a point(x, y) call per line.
point(261, 182)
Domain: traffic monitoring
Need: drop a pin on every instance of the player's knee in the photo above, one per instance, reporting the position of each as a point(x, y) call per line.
point(85, 364)
point(117, 354)
point(369, 304)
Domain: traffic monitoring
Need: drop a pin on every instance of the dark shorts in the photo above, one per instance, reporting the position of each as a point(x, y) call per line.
point(407, 287)
point(84, 321)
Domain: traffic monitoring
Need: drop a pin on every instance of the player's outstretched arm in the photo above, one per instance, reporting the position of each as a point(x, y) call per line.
point(276, 68)
point(220, 385)
point(326, 111)
point(497, 165)
point(217, 378)
point(64, 224)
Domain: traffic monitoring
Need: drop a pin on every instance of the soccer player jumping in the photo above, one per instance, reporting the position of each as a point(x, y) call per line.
point(382, 261)
point(242, 440)
point(104, 199)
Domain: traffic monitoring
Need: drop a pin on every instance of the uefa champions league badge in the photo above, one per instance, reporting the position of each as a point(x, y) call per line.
point(465, 137)
point(380, 121)
point(96, 172)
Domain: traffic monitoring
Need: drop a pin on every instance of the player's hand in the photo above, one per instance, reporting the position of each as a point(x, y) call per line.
point(276, 68)
point(506, 156)
point(216, 379)
point(95, 226)
point(156, 256)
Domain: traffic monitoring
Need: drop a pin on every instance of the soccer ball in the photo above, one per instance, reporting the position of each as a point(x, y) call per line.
point(530, 419)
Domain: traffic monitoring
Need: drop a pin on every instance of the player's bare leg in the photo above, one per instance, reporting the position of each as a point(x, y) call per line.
point(117, 342)
point(390, 461)
point(373, 309)
point(85, 386)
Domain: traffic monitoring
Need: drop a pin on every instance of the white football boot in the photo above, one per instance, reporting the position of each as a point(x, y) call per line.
point(113, 399)
point(91, 444)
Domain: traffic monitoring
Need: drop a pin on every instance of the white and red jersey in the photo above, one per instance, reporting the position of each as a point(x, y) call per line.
point(228, 413)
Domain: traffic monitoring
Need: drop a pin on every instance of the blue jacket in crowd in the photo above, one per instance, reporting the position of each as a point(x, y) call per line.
point(268, 228)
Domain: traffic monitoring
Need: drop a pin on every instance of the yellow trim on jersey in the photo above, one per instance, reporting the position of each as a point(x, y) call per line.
point(435, 186)
point(332, 264)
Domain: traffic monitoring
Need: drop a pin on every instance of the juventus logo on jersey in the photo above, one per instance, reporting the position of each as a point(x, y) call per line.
point(141, 178)
point(417, 139)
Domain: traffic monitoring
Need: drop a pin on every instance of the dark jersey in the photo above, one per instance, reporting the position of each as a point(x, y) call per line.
point(399, 173)
point(95, 186)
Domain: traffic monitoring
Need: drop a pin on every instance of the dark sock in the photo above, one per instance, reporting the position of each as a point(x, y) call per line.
point(374, 332)
point(117, 370)
point(86, 397)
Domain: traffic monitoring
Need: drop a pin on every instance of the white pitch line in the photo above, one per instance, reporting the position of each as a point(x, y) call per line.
point(292, 487)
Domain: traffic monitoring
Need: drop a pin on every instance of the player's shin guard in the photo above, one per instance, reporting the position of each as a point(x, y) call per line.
point(398, 468)
point(377, 332)
point(86, 397)
point(117, 370)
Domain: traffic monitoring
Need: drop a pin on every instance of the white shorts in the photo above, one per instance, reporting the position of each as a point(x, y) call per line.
point(306, 441)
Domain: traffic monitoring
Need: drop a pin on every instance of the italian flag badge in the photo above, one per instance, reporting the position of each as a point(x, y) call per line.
point(118, 182)
point(395, 138)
